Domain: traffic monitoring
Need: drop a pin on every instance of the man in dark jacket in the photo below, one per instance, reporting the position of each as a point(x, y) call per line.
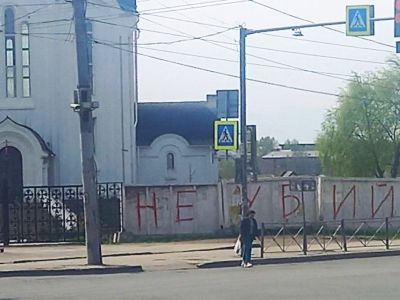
point(248, 233)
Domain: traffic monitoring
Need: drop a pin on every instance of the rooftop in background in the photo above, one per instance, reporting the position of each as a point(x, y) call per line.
point(293, 151)
point(297, 147)
point(191, 120)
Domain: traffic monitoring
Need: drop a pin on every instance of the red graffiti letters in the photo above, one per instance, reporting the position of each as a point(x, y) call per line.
point(237, 191)
point(336, 210)
point(284, 199)
point(388, 196)
point(139, 206)
point(182, 203)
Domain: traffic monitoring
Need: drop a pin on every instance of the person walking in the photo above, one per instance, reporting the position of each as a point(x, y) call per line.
point(248, 233)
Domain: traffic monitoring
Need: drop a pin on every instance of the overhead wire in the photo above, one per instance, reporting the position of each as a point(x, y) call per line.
point(256, 56)
point(236, 61)
point(31, 13)
point(196, 5)
point(254, 47)
point(222, 73)
point(275, 35)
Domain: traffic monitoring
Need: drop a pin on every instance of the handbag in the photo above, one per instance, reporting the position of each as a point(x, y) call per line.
point(238, 247)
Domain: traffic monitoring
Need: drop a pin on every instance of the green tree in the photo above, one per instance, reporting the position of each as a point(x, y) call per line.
point(265, 145)
point(360, 137)
point(291, 142)
point(227, 169)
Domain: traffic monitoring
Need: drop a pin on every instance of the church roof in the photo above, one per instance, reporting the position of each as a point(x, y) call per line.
point(190, 120)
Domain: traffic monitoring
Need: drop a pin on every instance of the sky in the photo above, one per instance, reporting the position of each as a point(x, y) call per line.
point(283, 113)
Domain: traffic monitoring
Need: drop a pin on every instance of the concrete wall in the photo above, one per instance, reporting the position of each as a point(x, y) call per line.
point(207, 209)
point(358, 198)
point(171, 210)
point(273, 202)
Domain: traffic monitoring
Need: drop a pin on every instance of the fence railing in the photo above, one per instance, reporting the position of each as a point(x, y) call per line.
point(340, 235)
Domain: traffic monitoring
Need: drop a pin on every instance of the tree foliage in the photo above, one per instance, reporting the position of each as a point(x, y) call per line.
point(227, 169)
point(265, 145)
point(360, 137)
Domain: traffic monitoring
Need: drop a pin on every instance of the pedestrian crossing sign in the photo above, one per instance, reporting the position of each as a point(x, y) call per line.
point(225, 135)
point(358, 20)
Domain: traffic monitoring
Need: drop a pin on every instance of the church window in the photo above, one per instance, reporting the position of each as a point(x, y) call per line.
point(9, 28)
point(170, 161)
point(26, 72)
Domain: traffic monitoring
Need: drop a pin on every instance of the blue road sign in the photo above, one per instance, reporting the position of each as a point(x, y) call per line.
point(358, 20)
point(225, 135)
point(397, 18)
point(227, 104)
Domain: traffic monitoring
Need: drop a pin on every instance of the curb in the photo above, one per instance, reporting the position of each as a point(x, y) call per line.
point(23, 261)
point(104, 270)
point(299, 259)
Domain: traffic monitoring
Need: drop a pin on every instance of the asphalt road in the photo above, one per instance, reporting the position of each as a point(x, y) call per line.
point(373, 278)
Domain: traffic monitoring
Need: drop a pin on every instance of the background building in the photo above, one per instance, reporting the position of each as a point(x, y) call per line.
point(175, 143)
point(292, 159)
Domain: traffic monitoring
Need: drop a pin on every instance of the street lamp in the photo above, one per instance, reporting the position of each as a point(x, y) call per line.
point(244, 32)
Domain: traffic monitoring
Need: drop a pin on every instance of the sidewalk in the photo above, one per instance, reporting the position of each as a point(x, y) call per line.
point(64, 259)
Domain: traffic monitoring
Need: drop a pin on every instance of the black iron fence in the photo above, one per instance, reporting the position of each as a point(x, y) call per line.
point(339, 235)
point(56, 213)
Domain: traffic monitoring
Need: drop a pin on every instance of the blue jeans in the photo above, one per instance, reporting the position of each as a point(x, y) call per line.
point(247, 245)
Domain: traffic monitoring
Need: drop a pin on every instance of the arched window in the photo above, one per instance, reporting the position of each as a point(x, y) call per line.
point(26, 70)
point(9, 30)
point(170, 161)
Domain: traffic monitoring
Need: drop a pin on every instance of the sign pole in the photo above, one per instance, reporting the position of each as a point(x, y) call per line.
point(243, 127)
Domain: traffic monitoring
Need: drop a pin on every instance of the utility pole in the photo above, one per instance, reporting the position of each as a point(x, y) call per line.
point(84, 106)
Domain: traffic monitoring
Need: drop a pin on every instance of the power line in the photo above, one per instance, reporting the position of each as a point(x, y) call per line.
point(169, 9)
point(30, 4)
point(236, 61)
point(235, 76)
point(326, 43)
point(191, 6)
point(251, 46)
point(269, 34)
point(273, 35)
point(222, 73)
point(252, 55)
point(186, 5)
point(192, 38)
point(31, 13)
point(204, 69)
point(189, 21)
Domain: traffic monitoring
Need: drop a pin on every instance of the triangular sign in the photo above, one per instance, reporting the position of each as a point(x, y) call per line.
point(225, 137)
point(357, 21)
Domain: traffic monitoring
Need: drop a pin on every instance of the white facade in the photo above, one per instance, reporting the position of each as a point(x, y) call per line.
point(53, 78)
point(193, 164)
point(175, 143)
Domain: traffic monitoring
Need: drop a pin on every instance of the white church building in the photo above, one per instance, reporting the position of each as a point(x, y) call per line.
point(39, 132)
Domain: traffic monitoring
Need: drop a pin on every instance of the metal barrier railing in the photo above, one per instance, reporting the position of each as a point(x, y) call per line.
point(330, 236)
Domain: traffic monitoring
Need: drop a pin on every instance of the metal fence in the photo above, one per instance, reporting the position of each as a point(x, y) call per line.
point(56, 213)
point(340, 235)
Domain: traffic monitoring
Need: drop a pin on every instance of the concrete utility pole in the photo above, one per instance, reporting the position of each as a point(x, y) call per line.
point(84, 107)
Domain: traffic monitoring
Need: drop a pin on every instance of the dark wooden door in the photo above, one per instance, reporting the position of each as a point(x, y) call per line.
point(10, 185)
